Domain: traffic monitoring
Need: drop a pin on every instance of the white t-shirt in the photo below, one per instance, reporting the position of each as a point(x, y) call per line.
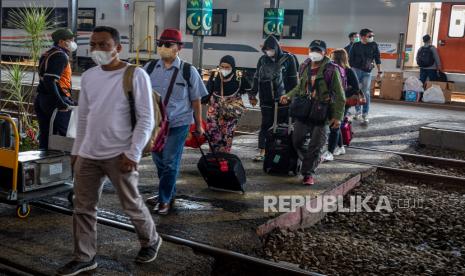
point(104, 126)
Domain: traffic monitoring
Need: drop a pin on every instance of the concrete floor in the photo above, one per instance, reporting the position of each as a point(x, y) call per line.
point(226, 220)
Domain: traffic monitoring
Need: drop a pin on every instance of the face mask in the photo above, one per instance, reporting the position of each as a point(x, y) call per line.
point(225, 73)
point(103, 57)
point(370, 39)
point(357, 39)
point(315, 56)
point(270, 53)
point(166, 53)
point(71, 45)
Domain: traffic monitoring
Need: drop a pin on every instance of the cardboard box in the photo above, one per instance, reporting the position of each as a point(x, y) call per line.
point(446, 87)
point(391, 85)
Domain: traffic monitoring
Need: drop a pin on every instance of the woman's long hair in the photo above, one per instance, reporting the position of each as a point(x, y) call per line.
point(340, 57)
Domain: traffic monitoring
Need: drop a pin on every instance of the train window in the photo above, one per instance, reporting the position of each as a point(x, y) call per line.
point(219, 22)
point(293, 20)
point(57, 15)
point(86, 19)
point(457, 21)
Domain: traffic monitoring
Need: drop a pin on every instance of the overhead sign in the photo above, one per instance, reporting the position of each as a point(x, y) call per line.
point(199, 17)
point(273, 22)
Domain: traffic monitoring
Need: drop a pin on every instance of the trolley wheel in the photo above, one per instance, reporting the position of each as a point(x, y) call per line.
point(23, 210)
point(71, 198)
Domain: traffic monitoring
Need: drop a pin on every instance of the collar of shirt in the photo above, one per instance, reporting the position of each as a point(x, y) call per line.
point(176, 64)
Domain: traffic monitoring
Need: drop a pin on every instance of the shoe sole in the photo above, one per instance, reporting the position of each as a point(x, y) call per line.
point(156, 254)
point(92, 267)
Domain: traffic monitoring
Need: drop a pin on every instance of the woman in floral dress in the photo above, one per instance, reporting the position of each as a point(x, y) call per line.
point(226, 87)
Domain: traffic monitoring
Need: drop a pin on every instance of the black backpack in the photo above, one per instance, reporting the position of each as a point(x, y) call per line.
point(186, 70)
point(425, 57)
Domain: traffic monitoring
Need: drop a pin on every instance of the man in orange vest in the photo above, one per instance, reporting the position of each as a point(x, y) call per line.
point(54, 90)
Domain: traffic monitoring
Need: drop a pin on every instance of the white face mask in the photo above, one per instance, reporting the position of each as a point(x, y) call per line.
point(225, 73)
point(72, 46)
point(270, 53)
point(370, 39)
point(103, 57)
point(166, 53)
point(315, 56)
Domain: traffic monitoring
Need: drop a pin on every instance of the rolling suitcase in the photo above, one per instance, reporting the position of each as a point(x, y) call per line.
point(280, 155)
point(222, 171)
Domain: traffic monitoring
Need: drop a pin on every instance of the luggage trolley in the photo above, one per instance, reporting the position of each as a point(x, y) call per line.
point(33, 175)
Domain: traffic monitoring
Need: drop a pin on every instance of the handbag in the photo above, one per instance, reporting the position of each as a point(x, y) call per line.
point(300, 107)
point(231, 107)
point(319, 112)
point(358, 98)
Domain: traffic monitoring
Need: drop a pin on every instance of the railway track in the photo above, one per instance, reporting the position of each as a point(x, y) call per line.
point(122, 223)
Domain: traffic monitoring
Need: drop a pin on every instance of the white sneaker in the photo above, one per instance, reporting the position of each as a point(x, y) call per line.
point(339, 151)
point(327, 156)
point(357, 116)
point(365, 119)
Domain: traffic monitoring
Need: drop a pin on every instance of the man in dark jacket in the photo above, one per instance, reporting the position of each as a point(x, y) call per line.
point(362, 56)
point(54, 90)
point(353, 38)
point(284, 79)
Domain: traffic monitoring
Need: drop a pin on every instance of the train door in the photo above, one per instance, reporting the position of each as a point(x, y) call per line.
point(144, 30)
point(451, 37)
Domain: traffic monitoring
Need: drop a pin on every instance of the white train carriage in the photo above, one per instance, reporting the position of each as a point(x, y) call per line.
point(237, 27)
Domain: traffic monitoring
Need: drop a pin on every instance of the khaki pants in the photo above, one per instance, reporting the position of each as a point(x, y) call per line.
point(89, 175)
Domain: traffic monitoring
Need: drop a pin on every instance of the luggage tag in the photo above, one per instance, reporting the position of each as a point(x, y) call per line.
point(276, 159)
point(224, 166)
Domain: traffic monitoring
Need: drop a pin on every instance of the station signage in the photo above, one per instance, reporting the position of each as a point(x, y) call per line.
point(273, 22)
point(199, 17)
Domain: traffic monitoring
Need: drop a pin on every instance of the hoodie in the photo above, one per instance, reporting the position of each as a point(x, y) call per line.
point(289, 73)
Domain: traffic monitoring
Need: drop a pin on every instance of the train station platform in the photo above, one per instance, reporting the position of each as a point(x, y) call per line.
point(43, 242)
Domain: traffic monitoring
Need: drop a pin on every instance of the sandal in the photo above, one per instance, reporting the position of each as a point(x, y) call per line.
point(259, 158)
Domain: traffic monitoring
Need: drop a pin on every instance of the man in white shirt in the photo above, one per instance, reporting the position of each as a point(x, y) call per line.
point(106, 145)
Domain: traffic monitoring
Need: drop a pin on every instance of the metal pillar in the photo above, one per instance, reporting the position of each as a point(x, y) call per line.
point(72, 24)
point(274, 4)
point(197, 51)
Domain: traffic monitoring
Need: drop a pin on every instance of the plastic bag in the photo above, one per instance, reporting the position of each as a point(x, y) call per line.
point(434, 95)
point(72, 126)
point(413, 84)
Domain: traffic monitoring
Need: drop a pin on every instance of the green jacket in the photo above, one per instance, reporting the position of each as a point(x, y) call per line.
point(322, 93)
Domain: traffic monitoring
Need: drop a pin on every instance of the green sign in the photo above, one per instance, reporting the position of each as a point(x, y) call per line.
point(273, 22)
point(199, 17)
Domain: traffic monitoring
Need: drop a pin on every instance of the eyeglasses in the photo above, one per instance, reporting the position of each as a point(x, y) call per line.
point(166, 44)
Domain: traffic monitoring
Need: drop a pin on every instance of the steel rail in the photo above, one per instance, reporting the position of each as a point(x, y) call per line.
point(197, 246)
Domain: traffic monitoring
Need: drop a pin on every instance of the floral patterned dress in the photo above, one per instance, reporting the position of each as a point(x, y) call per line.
point(221, 130)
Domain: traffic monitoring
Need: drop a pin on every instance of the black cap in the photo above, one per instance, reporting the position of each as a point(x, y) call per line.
point(318, 44)
point(426, 38)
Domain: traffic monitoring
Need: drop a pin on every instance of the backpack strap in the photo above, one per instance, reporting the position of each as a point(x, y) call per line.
point(186, 72)
point(151, 66)
point(129, 92)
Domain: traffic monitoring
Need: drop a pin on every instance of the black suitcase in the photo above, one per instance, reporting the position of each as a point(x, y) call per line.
point(222, 171)
point(280, 155)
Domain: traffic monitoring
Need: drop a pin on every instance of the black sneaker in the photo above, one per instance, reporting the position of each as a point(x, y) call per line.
point(149, 254)
point(76, 267)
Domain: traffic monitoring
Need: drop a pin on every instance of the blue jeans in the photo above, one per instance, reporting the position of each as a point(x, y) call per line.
point(364, 78)
point(431, 74)
point(168, 162)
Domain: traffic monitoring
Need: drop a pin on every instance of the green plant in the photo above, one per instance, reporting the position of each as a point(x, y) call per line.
point(35, 21)
point(15, 95)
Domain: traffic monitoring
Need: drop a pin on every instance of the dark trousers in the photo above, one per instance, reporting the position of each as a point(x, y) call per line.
point(44, 106)
point(335, 138)
point(267, 121)
point(309, 154)
point(431, 74)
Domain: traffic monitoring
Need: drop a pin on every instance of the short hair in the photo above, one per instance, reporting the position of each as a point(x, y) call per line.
point(426, 38)
point(352, 34)
point(112, 31)
point(341, 58)
point(364, 32)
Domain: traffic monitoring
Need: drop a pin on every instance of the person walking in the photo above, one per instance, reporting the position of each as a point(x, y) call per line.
point(429, 61)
